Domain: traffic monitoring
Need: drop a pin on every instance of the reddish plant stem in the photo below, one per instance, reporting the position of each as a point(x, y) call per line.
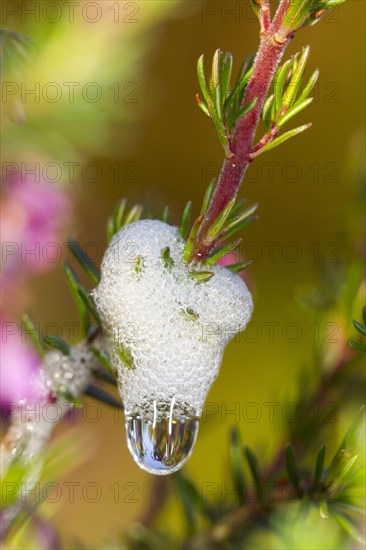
point(264, 15)
point(266, 62)
point(278, 19)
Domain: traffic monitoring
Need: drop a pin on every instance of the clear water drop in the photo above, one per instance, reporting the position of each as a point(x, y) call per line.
point(161, 445)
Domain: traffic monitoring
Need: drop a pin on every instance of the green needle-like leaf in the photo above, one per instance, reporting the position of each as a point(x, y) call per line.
point(240, 266)
point(74, 285)
point(309, 86)
point(235, 97)
point(58, 343)
point(323, 509)
point(84, 260)
point(201, 276)
point(291, 467)
point(359, 327)
point(66, 394)
point(225, 69)
point(347, 455)
point(236, 463)
point(241, 113)
point(281, 139)
point(255, 7)
point(243, 215)
point(138, 265)
point(267, 111)
point(246, 70)
point(126, 356)
point(166, 215)
point(215, 78)
point(347, 526)
point(103, 359)
point(294, 110)
point(216, 83)
point(104, 376)
point(359, 346)
point(221, 133)
point(254, 469)
point(110, 229)
point(202, 78)
point(208, 195)
point(319, 467)
point(185, 221)
point(237, 208)
point(308, 12)
point(351, 439)
point(89, 302)
point(280, 80)
point(217, 101)
point(216, 256)
point(297, 13)
point(133, 215)
point(118, 217)
point(188, 249)
point(32, 330)
point(221, 75)
point(167, 259)
point(238, 227)
point(189, 314)
point(217, 226)
point(296, 78)
point(193, 497)
point(202, 106)
point(16, 52)
point(104, 397)
point(184, 492)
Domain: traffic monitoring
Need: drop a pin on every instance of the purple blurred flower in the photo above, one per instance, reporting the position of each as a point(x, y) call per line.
point(19, 365)
point(233, 258)
point(32, 215)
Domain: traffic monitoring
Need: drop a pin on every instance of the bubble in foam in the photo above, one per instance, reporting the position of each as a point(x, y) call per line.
point(166, 335)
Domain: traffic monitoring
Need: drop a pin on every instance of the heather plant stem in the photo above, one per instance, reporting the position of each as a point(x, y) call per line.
point(158, 496)
point(266, 62)
point(242, 518)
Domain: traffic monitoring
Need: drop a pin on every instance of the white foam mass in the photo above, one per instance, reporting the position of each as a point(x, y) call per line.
point(166, 333)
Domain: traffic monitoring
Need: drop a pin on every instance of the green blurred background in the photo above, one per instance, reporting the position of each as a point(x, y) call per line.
point(310, 215)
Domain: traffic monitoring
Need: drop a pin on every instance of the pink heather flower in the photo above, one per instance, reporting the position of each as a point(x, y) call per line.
point(233, 258)
point(32, 215)
point(19, 365)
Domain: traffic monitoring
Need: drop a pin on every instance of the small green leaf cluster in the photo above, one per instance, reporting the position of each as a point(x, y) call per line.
point(221, 102)
point(344, 478)
point(235, 216)
point(122, 217)
point(288, 98)
point(215, 523)
point(89, 320)
point(307, 12)
point(15, 51)
point(361, 329)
